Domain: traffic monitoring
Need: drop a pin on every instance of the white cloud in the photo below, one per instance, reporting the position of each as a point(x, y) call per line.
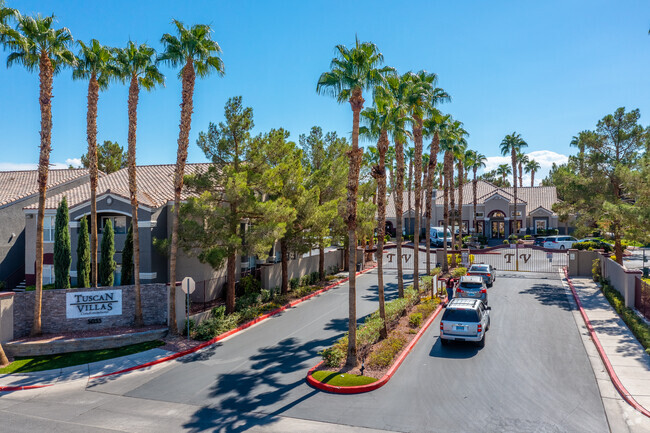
point(545, 158)
point(17, 166)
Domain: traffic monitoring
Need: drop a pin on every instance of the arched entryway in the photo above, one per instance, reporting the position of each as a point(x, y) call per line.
point(497, 224)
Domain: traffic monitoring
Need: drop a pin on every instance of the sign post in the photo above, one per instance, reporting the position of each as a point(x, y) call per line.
point(188, 286)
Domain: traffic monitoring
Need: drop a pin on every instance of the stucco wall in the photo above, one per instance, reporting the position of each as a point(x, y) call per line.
point(6, 316)
point(272, 274)
point(54, 320)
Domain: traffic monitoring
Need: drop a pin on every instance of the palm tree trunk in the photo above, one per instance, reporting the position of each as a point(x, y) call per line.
point(321, 261)
point(521, 175)
point(187, 106)
point(408, 190)
point(513, 156)
point(452, 207)
point(399, 212)
point(445, 266)
point(355, 154)
point(134, 94)
point(45, 75)
point(417, 138)
point(91, 136)
point(284, 251)
point(474, 198)
point(3, 358)
point(380, 175)
point(461, 178)
point(231, 269)
point(433, 161)
point(532, 178)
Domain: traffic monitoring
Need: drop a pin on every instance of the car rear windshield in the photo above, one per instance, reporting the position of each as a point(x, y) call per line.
point(478, 269)
point(471, 285)
point(453, 315)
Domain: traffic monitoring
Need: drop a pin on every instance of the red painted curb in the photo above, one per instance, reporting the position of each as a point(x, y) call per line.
point(381, 382)
point(232, 331)
point(608, 366)
point(21, 388)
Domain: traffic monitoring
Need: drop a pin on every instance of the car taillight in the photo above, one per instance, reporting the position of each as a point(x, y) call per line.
point(483, 290)
point(489, 275)
point(480, 328)
point(459, 290)
point(441, 326)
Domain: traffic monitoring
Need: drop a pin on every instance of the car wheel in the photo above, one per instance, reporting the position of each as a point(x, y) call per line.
point(561, 247)
point(482, 342)
point(490, 284)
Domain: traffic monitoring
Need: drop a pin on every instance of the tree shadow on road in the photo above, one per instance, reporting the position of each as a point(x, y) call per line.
point(258, 395)
point(549, 295)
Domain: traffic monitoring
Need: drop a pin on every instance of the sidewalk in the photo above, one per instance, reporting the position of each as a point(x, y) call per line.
point(41, 379)
point(629, 363)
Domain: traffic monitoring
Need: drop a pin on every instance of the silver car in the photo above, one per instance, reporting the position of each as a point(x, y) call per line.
point(483, 270)
point(465, 320)
point(472, 287)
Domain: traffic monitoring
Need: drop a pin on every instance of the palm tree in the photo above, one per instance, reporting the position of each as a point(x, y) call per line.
point(460, 166)
point(35, 44)
point(378, 123)
point(503, 170)
point(353, 71)
point(93, 64)
point(477, 161)
point(197, 54)
point(511, 144)
point(532, 166)
point(409, 152)
point(448, 139)
point(522, 160)
point(432, 128)
point(397, 87)
point(137, 66)
point(440, 172)
point(422, 99)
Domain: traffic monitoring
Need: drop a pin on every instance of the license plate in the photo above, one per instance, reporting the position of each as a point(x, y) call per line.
point(460, 328)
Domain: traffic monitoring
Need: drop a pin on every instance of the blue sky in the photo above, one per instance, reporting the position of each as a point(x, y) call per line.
point(544, 69)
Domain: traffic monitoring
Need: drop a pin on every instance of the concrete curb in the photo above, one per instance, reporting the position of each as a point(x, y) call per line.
point(232, 331)
point(608, 366)
point(381, 382)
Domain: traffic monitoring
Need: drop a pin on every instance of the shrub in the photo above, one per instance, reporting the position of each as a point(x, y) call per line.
point(528, 237)
point(387, 238)
point(459, 259)
point(639, 328)
point(293, 283)
point(246, 301)
point(512, 237)
point(214, 326)
point(219, 312)
point(458, 272)
point(386, 351)
point(249, 313)
point(552, 232)
point(250, 285)
point(427, 307)
point(304, 280)
point(482, 239)
point(315, 277)
point(592, 246)
point(415, 320)
point(613, 257)
point(596, 271)
point(435, 271)
point(266, 295)
point(333, 356)
point(192, 326)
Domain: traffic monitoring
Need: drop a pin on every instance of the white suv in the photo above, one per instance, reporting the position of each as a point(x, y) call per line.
point(465, 320)
point(559, 242)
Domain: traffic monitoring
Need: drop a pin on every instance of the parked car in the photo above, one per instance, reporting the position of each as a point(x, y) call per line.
point(539, 242)
point(472, 287)
point(465, 320)
point(436, 234)
point(559, 242)
point(487, 272)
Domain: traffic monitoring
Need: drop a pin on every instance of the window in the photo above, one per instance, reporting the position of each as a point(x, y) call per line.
point(48, 274)
point(479, 226)
point(513, 213)
point(465, 227)
point(540, 225)
point(119, 223)
point(479, 214)
point(48, 228)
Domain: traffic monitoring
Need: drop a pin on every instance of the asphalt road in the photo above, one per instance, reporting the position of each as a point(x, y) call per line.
point(532, 375)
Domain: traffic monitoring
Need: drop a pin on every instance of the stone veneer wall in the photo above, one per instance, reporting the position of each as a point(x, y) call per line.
point(54, 321)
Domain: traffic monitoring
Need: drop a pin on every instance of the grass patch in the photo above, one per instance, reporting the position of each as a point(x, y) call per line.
point(62, 360)
point(638, 327)
point(342, 379)
point(45, 287)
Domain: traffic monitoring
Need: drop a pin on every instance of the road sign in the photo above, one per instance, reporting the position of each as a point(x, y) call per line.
point(188, 285)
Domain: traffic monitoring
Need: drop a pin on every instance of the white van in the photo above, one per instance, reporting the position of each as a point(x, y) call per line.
point(437, 237)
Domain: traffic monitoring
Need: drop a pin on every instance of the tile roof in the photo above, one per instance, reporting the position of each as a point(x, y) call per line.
point(155, 186)
point(17, 185)
point(534, 197)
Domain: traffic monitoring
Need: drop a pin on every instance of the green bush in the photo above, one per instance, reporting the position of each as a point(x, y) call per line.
point(596, 270)
point(249, 313)
point(214, 326)
point(459, 258)
point(435, 271)
point(512, 237)
point(458, 272)
point(246, 301)
point(315, 278)
point(415, 320)
point(333, 356)
point(219, 312)
point(266, 295)
point(527, 237)
point(386, 351)
point(192, 326)
point(250, 284)
point(639, 328)
point(293, 283)
point(592, 246)
point(427, 307)
point(482, 239)
point(387, 238)
point(506, 242)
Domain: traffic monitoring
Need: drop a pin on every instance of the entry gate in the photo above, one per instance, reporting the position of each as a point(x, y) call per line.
point(522, 258)
point(407, 258)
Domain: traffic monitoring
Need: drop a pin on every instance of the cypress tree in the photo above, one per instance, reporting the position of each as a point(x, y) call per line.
point(83, 255)
point(62, 249)
point(107, 263)
point(127, 258)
